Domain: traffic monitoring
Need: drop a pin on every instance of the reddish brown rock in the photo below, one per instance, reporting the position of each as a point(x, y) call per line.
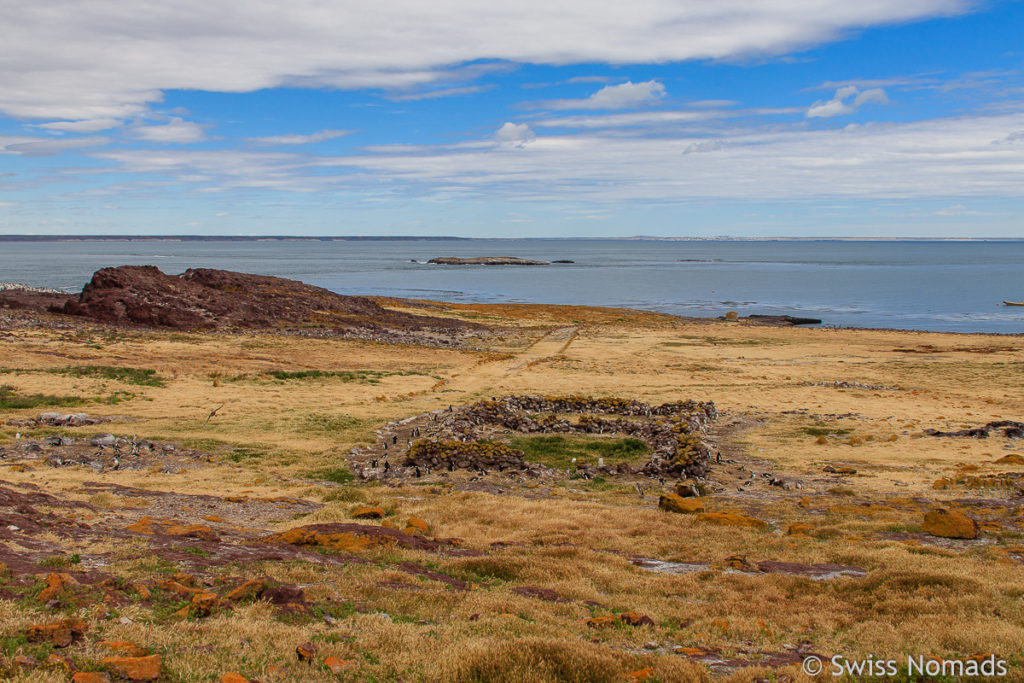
point(368, 513)
point(672, 502)
point(246, 591)
point(134, 668)
point(601, 622)
point(24, 661)
point(59, 634)
point(55, 583)
point(65, 664)
point(124, 647)
point(203, 298)
point(644, 674)
point(203, 603)
point(306, 652)
point(947, 523)
point(636, 619)
point(338, 666)
point(233, 677)
point(417, 525)
point(799, 530)
point(151, 526)
point(90, 677)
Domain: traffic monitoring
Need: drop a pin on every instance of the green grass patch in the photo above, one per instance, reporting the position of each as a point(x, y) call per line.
point(363, 376)
point(325, 423)
point(824, 430)
point(11, 400)
point(143, 377)
point(338, 475)
point(558, 451)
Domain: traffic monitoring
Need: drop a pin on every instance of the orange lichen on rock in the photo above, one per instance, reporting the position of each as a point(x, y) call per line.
point(675, 503)
point(134, 668)
point(125, 648)
point(150, 526)
point(732, 519)
point(947, 523)
point(59, 634)
point(55, 583)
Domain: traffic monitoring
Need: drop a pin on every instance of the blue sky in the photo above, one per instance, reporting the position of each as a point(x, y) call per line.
point(667, 117)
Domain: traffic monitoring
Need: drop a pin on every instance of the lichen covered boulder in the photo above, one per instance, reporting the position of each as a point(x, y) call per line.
point(946, 523)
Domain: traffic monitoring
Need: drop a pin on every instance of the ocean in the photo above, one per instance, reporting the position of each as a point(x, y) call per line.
point(915, 285)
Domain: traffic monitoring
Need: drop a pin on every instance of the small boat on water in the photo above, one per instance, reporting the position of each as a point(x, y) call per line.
point(1013, 303)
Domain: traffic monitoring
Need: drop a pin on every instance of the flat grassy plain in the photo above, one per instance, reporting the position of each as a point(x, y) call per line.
point(509, 599)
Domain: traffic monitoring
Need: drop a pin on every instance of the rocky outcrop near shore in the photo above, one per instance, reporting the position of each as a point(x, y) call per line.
point(485, 261)
point(207, 299)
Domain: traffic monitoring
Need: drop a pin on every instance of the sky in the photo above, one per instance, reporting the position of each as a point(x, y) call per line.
point(674, 118)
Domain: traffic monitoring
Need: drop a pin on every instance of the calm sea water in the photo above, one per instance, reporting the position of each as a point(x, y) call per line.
point(947, 286)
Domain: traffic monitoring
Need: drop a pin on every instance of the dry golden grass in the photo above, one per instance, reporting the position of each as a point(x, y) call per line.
point(573, 537)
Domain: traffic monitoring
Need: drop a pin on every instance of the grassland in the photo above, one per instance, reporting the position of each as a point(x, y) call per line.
point(534, 560)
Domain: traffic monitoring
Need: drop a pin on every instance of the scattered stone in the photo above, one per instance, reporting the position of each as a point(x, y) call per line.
point(59, 634)
point(24, 661)
point(284, 594)
point(674, 503)
point(125, 648)
point(601, 622)
point(946, 523)
point(306, 652)
point(151, 526)
point(636, 619)
point(1011, 459)
point(839, 470)
point(90, 677)
point(247, 591)
point(368, 513)
point(55, 584)
point(799, 530)
point(233, 677)
point(134, 668)
point(415, 524)
point(65, 664)
point(645, 674)
point(203, 603)
point(338, 666)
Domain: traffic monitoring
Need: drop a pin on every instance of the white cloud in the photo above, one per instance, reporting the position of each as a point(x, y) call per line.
point(85, 126)
point(443, 92)
point(45, 147)
point(177, 130)
point(76, 60)
point(838, 105)
point(623, 96)
point(646, 119)
point(931, 159)
point(319, 136)
point(954, 210)
point(513, 135)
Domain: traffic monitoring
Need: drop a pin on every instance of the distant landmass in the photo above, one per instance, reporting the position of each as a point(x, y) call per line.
point(223, 238)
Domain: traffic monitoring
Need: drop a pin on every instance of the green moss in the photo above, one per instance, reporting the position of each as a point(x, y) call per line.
point(558, 451)
point(338, 475)
point(140, 376)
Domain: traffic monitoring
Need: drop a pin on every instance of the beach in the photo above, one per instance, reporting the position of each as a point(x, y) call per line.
point(239, 518)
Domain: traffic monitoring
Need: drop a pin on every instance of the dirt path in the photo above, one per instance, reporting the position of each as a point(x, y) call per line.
point(489, 376)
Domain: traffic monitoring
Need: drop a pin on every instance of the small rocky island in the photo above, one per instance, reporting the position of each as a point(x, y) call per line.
point(485, 261)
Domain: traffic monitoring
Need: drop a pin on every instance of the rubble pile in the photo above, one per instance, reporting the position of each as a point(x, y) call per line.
point(463, 437)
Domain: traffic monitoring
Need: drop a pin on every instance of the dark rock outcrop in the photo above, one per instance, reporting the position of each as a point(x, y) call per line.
point(206, 299)
point(485, 261)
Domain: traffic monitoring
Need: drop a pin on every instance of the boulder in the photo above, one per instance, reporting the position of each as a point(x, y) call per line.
point(674, 503)
point(946, 523)
point(134, 668)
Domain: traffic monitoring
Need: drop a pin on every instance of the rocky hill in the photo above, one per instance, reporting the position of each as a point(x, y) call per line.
point(207, 299)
